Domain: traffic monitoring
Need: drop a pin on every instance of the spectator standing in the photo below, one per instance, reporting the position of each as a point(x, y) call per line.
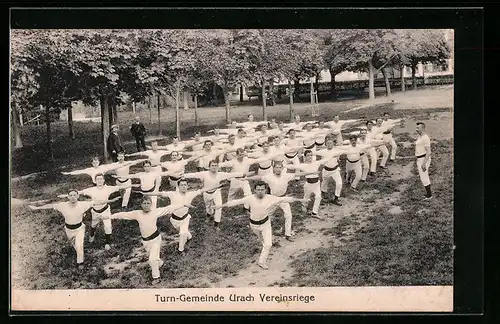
point(115, 143)
point(139, 132)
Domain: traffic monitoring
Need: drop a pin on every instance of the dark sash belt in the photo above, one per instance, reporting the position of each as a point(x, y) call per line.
point(309, 147)
point(179, 218)
point(259, 222)
point(175, 178)
point(421, 156)
point(73, 226)
point(352, 161)
point(152, 236)
point(122, 181)
point(319, 144)
point(211, 191)
point(361, 154)
point(264, 168)
point(291, 157)
point(386, 132)
point(149, 190)
point(331, 169)
point(100, 210)
point(312, 180)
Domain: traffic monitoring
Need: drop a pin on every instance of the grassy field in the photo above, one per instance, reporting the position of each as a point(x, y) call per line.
point(381, 236)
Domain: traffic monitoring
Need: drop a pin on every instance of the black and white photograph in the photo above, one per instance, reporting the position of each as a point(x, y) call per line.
point(188, 159)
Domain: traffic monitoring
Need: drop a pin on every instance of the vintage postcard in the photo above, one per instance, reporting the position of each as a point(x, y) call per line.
point(232, 170)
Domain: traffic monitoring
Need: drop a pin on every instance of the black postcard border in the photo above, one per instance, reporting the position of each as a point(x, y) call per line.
point(468, 107)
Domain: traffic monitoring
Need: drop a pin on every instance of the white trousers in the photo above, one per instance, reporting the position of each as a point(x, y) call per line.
point(153, 249)
point(237, 184)
point(183, 227)
point(385, 154)
point(310, 189)
point(97, 218)
point(287, 214)
point(335, 176)
point(126, 192)
point(264, 232)
point(424, 175)
point(365, 165)
point(295, 161)
point(394, 147)
point(372, 152)
point(76, 237)
point(356, 168)
point(217, 199)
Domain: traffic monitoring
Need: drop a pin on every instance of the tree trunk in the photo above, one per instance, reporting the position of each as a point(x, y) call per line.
point(159, 114)
point(133, 107)
point(387, 83)
point(333, 92)
point(297, 89)
point(371, 81)
point(110, 111)
point(216, 100)
point(186, 103)
point(70, 122)
point(177, 115)
point(16, 128)
point(49, 138)
point(264, 99)
point(316, 83)
point(311, 91)
point(413, 75)
point(290, 95)
point(271, 90)
point(226, 98)
point(402, 76)
point(115, 110)
point(241, 93)
point(104, 125)
point(21, 122)
point(150, 107)
point(196, 110)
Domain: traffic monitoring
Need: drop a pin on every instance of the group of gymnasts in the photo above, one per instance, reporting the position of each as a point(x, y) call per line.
point(282, 153)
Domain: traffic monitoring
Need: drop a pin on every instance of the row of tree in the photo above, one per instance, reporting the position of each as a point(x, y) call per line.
point(53, 68)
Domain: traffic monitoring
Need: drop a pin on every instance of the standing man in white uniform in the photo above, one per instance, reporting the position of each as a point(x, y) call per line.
point(151, 237)
point(377, 134)
point(123, 171)
point(101, 192)
point(312, 186)
point(331, 170)
point(278, 185)
point(177, 165)
point(211, 179)
point(386, 123)
point(293, 141)
point(365, 162)
point(261, 206)
point(241, 164)
point(150, 180)
point(73, 212)
point(181, 217)
point(423, 154)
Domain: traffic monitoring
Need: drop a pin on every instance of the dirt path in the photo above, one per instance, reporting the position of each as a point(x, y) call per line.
point(351, 217)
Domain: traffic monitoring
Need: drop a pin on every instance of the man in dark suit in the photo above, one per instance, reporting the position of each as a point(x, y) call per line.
point(115, 144)
point(139, 132)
